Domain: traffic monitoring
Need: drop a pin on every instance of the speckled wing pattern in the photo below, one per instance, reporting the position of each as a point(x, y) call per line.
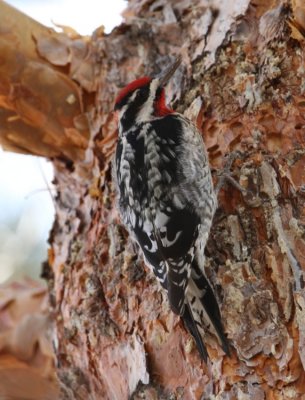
point(167, 201)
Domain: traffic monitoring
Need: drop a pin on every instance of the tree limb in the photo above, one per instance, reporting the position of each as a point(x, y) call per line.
point(41, 107)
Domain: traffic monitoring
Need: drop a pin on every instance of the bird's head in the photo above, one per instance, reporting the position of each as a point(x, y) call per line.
point(144, 98)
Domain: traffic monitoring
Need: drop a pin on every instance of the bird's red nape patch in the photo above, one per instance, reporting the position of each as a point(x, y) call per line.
point(131, 87)
point(160, 106)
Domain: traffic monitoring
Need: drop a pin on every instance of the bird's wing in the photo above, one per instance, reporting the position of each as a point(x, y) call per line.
point(176, 246)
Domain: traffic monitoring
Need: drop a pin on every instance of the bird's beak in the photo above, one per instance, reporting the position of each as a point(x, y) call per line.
point(165, 76)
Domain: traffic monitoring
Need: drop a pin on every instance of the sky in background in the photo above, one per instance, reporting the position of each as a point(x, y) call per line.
point(83, 16)
point(26, 206)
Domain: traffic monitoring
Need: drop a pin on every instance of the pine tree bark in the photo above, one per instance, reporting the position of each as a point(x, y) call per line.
point(242, 83)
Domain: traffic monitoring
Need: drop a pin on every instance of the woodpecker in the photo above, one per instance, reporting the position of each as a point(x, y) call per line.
point(167, 200)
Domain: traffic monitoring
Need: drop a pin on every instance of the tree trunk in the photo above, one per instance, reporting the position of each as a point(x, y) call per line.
point(243, 82)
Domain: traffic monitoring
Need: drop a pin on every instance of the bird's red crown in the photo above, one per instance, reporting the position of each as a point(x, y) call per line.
point(160, 107)
point(131, 87)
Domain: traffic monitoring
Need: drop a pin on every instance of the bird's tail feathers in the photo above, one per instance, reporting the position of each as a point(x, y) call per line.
point(192, 327)
point(202, 311)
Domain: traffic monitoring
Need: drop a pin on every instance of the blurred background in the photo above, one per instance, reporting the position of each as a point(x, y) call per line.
point(26, 206)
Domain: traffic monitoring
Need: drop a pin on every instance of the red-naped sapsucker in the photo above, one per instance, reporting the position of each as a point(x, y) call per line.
point(167, 200)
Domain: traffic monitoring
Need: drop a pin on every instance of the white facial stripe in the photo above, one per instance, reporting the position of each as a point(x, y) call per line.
point(130, 100)
point(148, 108)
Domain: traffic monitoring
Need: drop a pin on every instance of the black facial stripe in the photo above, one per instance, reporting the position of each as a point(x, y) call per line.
point(123, 102)
point(128, 119)
point(158, 93)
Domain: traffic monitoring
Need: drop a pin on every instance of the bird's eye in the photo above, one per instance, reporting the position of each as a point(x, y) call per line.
point(135, 95)
point(138, 93)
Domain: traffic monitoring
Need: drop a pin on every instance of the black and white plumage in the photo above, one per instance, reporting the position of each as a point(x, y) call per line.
point(167, 200)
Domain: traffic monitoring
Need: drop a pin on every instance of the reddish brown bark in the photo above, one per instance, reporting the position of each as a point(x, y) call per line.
point(26, 353)
point(242, 82)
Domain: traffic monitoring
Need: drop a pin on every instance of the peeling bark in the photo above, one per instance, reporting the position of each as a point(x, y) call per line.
point(243, 83)
point(41, 107)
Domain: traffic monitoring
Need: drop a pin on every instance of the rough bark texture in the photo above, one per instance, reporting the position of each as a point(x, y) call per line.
point(243, 83)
